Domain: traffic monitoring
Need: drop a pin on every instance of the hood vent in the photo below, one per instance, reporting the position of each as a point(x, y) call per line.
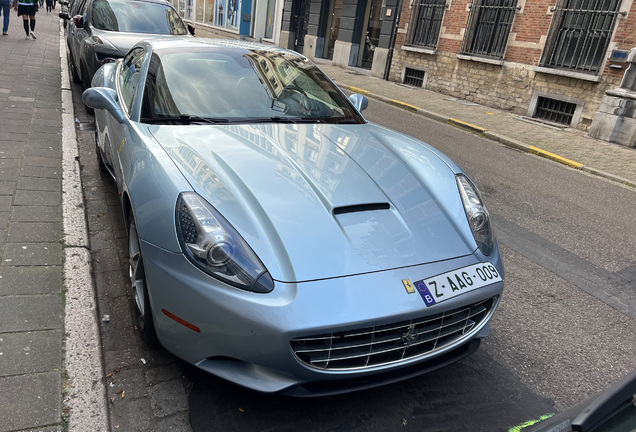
point(360, 208)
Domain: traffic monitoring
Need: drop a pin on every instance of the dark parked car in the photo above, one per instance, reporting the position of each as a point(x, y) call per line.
point(102, 29)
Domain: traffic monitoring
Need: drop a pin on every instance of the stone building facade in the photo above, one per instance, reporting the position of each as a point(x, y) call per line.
point(533, 57)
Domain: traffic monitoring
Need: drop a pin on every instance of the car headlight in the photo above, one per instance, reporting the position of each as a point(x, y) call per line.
point(211, 243)
point(103, 42)
point(478, 217)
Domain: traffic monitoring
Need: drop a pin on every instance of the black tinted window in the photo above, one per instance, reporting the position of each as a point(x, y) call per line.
point(136, 17)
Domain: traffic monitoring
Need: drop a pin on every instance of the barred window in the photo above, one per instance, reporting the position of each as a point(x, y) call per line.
point(488, 27)
point(580, 34)
point(425, 23)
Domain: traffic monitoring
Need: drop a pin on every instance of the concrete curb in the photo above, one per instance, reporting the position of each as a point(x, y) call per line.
point(485, 133)
point(86, 392)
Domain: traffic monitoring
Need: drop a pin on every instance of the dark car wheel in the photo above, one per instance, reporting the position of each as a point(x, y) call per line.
point(100, 158)
point(143, 310)
point(86, 83)
point(74, 74)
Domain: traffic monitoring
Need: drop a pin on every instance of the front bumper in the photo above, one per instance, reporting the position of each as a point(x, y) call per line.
point(245, 337)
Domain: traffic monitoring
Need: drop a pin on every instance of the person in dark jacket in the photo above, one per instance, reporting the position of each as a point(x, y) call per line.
point(49, 6)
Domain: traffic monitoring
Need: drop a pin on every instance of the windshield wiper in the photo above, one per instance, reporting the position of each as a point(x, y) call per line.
point(185, 119)
point(278, 119)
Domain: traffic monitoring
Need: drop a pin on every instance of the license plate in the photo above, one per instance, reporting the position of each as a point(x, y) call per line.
point(457, 282)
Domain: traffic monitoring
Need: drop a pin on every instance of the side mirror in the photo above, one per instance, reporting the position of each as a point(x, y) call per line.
point(104, 98)
point(359, 101)
point(191, 29)
point(79, 21)
point(64, 15)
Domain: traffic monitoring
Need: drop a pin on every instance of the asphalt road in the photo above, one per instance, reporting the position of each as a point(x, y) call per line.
point(565, 328)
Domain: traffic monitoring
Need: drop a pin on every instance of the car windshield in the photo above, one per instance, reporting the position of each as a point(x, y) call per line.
point(241, 85)
point(137, 17)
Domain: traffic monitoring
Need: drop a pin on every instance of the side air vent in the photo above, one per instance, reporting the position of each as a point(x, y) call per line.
point(361, 208)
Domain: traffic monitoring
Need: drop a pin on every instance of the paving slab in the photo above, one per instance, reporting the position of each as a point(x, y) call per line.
point(30, 280)
point(32, 254)
point(168, 398)
point(30, 400)
point(30, 352)
point(30, 313)
point(37, 198)
point(36, 214)
point(30, 232)
point(39, 184)
point(33, 171)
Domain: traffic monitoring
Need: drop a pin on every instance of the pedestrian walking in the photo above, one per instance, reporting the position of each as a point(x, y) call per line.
point(27, 9)
point(49, 6)
point(5, 9)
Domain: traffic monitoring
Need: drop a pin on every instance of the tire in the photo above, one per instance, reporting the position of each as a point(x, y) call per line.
point(74, 74)
point(86, 83)
point(100, 159)
point(143, 310)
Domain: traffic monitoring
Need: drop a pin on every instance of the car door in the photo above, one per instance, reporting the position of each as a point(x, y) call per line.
point(128, 81)
point(79, 34)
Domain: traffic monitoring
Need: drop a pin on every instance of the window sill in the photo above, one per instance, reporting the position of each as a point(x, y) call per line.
point(430, 51)
point(492, 61)
point(566, 73)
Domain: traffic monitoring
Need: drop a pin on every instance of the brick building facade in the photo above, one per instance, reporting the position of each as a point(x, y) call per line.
point(551, 59)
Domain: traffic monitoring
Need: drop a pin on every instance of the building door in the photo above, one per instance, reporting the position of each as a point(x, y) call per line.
point(301, 22)
point(371, 33)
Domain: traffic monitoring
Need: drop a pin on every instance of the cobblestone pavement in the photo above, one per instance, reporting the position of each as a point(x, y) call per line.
point(569, 143)
point(146, 391)
point(31, 245)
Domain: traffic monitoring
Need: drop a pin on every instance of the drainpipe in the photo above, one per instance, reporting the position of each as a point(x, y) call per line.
point(398, 13)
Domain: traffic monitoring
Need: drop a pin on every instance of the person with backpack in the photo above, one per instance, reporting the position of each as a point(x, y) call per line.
point(27, 9)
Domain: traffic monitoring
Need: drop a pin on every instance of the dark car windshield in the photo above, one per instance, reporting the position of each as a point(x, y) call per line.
point(242, 85)
point(137, 17)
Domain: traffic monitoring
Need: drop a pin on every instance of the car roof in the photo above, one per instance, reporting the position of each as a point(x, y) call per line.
point(159, 45)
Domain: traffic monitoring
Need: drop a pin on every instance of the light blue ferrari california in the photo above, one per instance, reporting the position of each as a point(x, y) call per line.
point(276, 238)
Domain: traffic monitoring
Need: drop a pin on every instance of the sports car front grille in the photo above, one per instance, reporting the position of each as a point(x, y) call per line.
point(391, 343)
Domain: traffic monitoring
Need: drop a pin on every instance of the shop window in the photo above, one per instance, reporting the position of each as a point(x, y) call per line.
point(488, 27)
point(580, 34)
point(269, 19)
point(223, 13)
point(426, 21)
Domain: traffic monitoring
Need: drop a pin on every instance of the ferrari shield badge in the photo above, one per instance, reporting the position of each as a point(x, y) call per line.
point(408, 285)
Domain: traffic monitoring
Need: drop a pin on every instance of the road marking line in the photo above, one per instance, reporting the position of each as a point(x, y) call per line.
point(530, 423)
point(555, 157)
point(404, 105)
point(359, 90)
point(465, 125)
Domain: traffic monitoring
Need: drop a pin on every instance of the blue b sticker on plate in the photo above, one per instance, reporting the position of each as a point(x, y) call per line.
point(425, 293)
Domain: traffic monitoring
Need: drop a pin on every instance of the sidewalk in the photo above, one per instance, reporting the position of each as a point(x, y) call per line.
point(571, 144)
point(31, 297)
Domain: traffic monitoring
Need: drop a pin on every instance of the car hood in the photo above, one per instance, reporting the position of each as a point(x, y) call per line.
point(124, 41)
point(299, 194)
